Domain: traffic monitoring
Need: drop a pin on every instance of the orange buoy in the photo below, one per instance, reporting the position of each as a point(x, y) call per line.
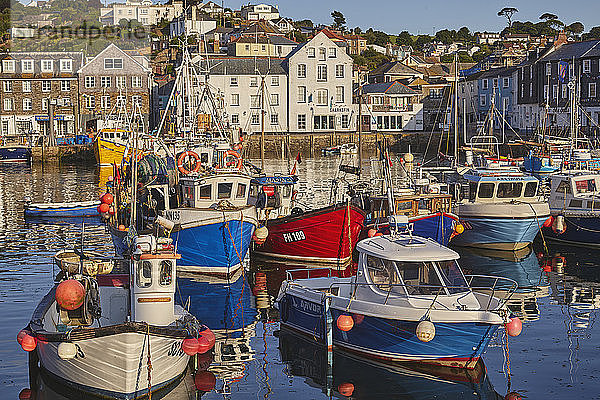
point(121, 227)
point(513, 396)
point(459, 228)
point(70, 294)
point(205, 381)
point(208, 334)
point(203, 345)
point(345, 322)
point(514, 327)
point(103, 208)
point(28, 343)
point(548, 223)
point(190, 346)
point(358, 318)
point(371, 232)
point(107, 198)
point(26, 394)
point(21, 335)
point(346, 389)
point(378, 234)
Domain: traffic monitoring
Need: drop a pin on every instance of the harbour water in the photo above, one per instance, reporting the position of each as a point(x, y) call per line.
point(555, 357)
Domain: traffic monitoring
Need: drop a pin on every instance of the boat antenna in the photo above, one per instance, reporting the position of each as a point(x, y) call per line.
point(81, 245)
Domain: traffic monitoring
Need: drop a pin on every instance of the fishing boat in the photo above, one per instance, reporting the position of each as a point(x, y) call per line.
point(110, 145)
point(575, 208)
point(118, 335)
point(408, 301)
point(502, 210)
point(15, 154)
point(65, 209)
point(323, 237)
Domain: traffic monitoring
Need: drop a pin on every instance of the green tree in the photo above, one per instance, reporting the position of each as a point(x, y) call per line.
point(575, 28)
point(404, 38)
point(421, 41)
point(508, 12)
point(464, 34)
point(339, 21)
point(307, 23)
point(594, 33)
point(482, 53)
point(445, 36)
point(376, 37)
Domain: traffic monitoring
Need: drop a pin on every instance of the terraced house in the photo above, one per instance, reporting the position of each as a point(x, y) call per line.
point(39, 89)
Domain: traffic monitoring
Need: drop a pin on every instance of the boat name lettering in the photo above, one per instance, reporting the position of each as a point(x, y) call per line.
point(172, 215)
point(175, 350)
point(294, 236)
point(306, 306)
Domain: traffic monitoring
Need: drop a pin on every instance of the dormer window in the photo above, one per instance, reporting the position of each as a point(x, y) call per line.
point(47, 65)
point(66, 65)
point(8, 66)
point(27, 66)
point(113, 63)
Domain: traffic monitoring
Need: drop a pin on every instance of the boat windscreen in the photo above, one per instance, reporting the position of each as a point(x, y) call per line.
point(452, 276)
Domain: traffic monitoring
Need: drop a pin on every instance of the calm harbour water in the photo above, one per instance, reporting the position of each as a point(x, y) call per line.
point(555, 356)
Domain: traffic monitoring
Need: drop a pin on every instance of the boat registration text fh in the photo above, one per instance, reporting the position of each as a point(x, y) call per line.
point(296, 236)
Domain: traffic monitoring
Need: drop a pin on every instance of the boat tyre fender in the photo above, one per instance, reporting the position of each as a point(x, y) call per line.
point(181, 159)
point(237, 163)
point(284, 310)
point(296, 211)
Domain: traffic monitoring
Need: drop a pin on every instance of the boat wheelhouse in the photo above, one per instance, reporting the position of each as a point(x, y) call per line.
point(502, 209)
point(408, 301)
point(575, 207)
point(273, 195)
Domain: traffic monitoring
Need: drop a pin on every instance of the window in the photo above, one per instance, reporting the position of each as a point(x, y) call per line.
point(274, 99)
point(311, 52)
point(485, 84)
point(45, 104)
point(233, 81)
point(165, 277)
point(253, 81)
point(46, 86)
point(530, 89)
point(322, 97)
point(324, 122)
point(235, 119)
point(235, 99)
point(136, 81)
point(585, 186)
point(546, 92)
point(224, 190)
point(121, 101)
point(554, 91)
point(8, 65)
point(495, 82)
point(274, 119)
point(301, 122)
point(592, 90)
point(564, 187)
point(105, 81)
point(7, 86)
point(121, 81)
point(505, 82)
point(565, 92)
point(26, 85)
point(254, 120)
point(339, 94)
point(8, 104)
point(241, 191)
point(274, 81)
point(322, 54)
point(254, 101)
point(113, 63)
point(90, 82)
point(345, 121)
point(66, 65)
point(204, 192)
point(47, 65)
point(90, 102)
point(332, 52)
point(508, 190)
point(486, 191)
point(144, 274)
point(577, 203)
point(587, 66)
point(136, 100)
point(27, 66)
point(65, 86)
point(339, 71)
point(301, 94)
point(482, 100)
point(105, 102)
point(530, 189)
point(321, 73)
point(548, 69)
point(301, 70)
point(4, 131)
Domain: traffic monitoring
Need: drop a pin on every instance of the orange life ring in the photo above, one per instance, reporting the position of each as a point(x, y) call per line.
point(233, 153)
point(182, 158)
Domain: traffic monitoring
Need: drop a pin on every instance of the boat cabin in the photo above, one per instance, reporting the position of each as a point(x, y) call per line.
point(204, 192)
point(273, 195)
point(114, 134)
point(492, 186)
point(410, 205)
point(575, 191)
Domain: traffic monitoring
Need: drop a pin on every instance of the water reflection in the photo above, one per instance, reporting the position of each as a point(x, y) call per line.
point(365, 379)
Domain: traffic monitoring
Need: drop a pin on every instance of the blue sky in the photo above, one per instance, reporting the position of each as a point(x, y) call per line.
point(427, 16)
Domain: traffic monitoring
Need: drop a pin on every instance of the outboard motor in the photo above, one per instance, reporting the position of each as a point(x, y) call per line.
point(153, 286)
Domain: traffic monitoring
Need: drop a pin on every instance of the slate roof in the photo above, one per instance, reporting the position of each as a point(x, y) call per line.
point(388, 88)
point(498, 72)
point(246, 66)
point(395, 67)
point(590, 48)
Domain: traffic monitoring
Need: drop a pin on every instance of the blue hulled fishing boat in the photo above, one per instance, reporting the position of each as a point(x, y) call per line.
point(76, 209)
point(409, 301)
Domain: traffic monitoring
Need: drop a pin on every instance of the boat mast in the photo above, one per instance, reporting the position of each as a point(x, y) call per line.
point(359, 125)
point(455, 162)
point(262, 123)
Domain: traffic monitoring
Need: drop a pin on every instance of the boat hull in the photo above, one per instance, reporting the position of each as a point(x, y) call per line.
point(437, 226)
point(58, 210)
point(581, 231)
point(115, 366)
point(108, 152)
point(15, 154)
point(323, 237)
point(457, 344)
point(212, 241)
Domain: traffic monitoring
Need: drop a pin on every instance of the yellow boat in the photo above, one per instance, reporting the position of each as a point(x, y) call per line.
point(110, 145)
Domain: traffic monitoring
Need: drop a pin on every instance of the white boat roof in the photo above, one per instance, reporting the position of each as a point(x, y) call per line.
point(406, 248)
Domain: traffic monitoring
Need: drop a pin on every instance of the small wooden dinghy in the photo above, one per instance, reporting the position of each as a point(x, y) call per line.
point(56, 210)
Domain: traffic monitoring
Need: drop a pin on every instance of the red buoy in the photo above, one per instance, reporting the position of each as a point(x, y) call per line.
point(28, 343)
point(190, 346)
point(371, 232)
point(209, 335)
point(103, 208)
point(205, 381)
point(203, 345)
point(345, 322)
point(378, 234)
point(346, 389)
point(21, 335)
point(107, 198)
point(70, 294)
point(121, 227)
point(26, 394)
point(548, 223)
point(358, 318)
point(513, 396)
point(514, 327)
